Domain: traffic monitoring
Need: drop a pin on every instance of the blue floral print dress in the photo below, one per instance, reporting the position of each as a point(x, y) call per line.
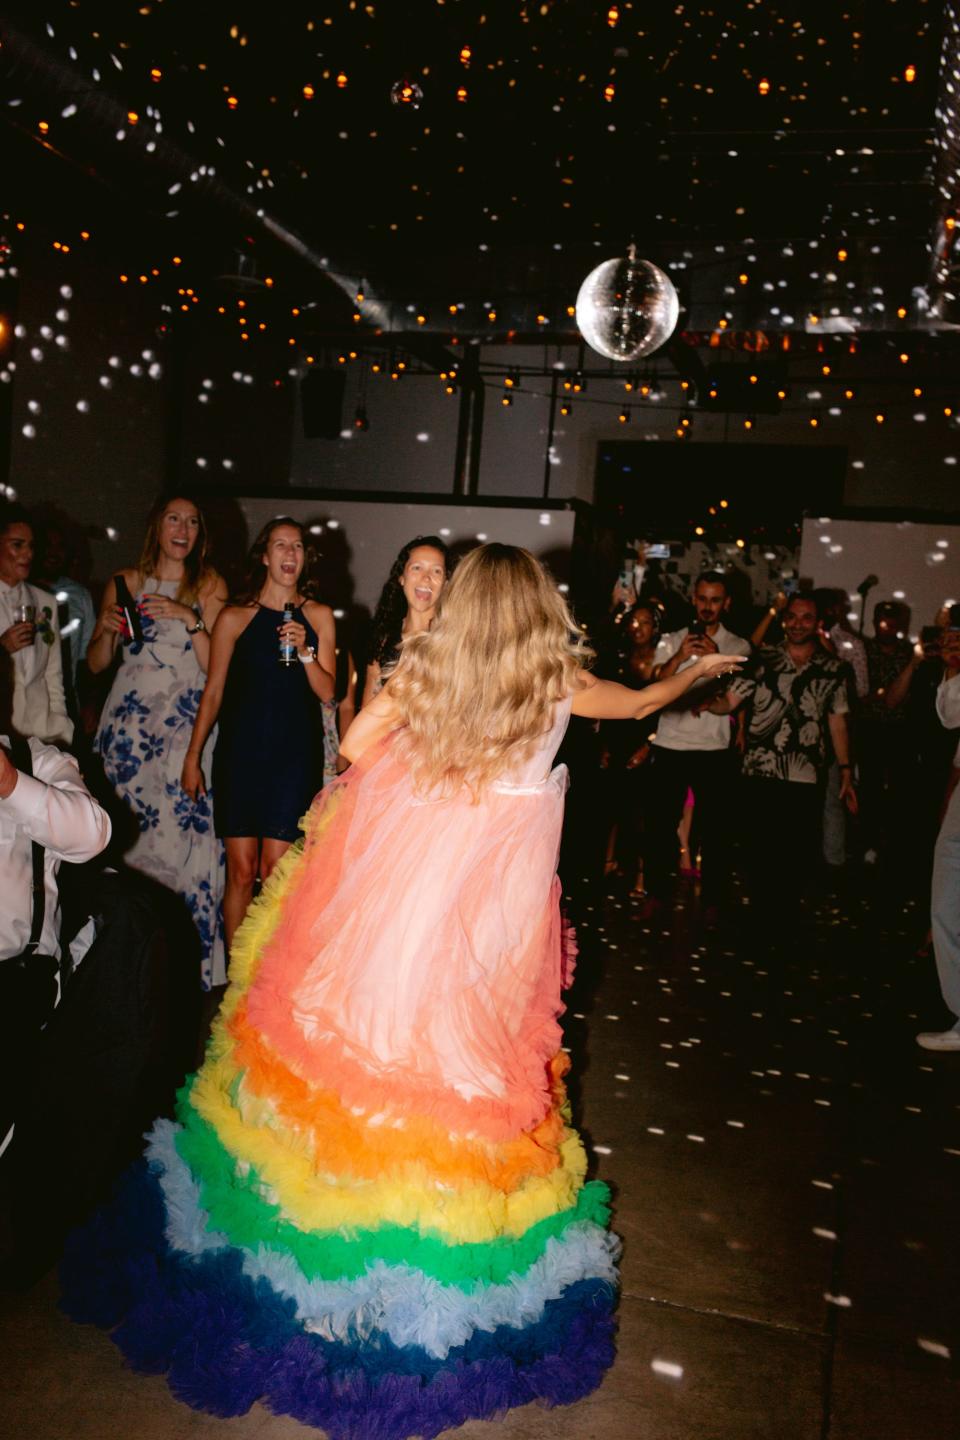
point(143, 737)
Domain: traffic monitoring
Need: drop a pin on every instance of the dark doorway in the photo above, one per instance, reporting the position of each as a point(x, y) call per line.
point(670, 488)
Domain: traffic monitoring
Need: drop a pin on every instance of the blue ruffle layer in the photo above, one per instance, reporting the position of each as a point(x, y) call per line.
point(228, 1340)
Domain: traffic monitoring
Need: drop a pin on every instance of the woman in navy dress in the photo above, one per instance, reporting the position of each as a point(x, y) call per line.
point(268, 763)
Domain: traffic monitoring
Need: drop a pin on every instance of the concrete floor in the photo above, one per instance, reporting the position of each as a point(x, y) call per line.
point(786, 1165)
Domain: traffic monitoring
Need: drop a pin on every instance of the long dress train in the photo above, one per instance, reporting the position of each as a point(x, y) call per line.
point(371, 1212)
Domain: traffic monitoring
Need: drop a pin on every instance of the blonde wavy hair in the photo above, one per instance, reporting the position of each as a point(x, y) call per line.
point(477, 691)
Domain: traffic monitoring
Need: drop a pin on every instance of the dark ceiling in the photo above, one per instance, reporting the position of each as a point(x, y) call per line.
point(777, 159)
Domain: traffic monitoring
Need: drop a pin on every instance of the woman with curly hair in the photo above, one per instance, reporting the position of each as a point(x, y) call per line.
point(269, 758)
point(148, 716)
point(372, 1213)
point(407, 605)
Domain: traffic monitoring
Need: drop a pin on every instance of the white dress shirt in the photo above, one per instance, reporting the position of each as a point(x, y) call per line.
point(679, 729)
point(55, 808)
point(39, 705)
point(948, 708)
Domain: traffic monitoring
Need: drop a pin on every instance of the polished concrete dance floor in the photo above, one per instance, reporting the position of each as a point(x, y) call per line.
point(786, 1164)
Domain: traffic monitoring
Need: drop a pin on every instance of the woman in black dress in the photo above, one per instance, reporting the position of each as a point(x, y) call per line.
point(268, 764)
point(407, 605)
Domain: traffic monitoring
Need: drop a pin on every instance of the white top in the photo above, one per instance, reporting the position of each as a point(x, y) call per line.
point(678, 728)
point(55, 808)
point(39, 706)
point(948, 708)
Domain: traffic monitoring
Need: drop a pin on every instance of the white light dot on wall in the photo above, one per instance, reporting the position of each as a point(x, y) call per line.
point(422, 436)
point(339, 614)
point(106, 382)
point(481, 537)
point(62, 342)
point(136, 370)
point(66, 292)
point(28, 431)
point(19, 331)
point(857, 464)
point(208, 384)
point(114, 362)
point(155, 371)
point(201, 462)
point(943, 544)
point(83, 406)
point(949, 459)
point(36, 354)
point(111, 533)
point(333, 524)
point(46, 333)
point(563, 588)
point(33, 406)
point(546, 519)
point(668, 1368)
point(899, 594)
point(316, 529)
point(226, 463)
point(443, 532)
point(63, 315)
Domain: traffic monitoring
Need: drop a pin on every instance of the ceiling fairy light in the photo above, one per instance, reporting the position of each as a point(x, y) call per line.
point(627, 308)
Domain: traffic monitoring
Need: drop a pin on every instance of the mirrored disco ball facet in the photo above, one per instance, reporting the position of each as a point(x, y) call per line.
point(626, 308)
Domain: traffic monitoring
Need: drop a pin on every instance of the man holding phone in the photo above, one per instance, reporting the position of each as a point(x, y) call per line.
point(800, 699)
point(692, 751)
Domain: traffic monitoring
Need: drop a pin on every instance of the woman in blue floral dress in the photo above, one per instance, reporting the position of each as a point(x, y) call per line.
point(148, 717)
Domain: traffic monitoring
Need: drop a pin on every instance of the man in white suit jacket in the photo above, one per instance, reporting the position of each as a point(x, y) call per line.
point(39, 704)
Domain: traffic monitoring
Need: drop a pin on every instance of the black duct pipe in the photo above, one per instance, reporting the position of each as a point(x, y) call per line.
point(31, 69)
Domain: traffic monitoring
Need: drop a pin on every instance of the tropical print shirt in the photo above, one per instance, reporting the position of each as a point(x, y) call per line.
point(787, 738)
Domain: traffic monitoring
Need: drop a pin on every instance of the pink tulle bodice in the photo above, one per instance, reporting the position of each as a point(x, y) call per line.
point(434, 962)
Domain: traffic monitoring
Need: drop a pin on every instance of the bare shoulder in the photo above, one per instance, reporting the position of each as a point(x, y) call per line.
point(214, 587)
point(317, 614)
point(234, 619)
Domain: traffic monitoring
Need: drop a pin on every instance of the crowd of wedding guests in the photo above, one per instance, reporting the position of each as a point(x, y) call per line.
point(204, 722)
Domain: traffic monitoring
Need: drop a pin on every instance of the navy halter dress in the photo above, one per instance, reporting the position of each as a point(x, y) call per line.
point(268, 764)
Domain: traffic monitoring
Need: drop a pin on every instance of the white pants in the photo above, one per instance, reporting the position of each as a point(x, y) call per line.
point(945, 904)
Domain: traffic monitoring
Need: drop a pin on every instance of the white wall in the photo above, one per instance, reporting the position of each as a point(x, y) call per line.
point(918, 564)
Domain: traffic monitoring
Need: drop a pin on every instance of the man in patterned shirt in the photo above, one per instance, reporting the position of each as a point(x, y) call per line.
point(799, 695)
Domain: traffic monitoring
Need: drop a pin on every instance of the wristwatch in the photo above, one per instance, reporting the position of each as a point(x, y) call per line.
point(196, 629)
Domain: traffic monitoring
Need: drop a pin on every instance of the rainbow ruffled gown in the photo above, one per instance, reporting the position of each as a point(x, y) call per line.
point(371, 1212)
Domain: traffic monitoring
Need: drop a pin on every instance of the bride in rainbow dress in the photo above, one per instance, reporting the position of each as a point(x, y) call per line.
point(372, 1212)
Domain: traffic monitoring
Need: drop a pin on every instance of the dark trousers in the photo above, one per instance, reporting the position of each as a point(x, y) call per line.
point(711, 775)
point(783, 836)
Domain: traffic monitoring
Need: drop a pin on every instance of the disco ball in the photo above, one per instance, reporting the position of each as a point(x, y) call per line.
point(626, 308)
point(406, 92)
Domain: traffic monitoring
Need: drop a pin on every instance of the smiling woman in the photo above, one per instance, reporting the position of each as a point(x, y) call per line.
point(148, 718)
point(407, 605)
point(269, 758)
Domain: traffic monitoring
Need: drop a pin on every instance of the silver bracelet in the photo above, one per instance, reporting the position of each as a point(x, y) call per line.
point(307, 657)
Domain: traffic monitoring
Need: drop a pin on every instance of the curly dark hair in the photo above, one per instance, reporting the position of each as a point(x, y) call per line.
point(254, 574)
point(387, 624)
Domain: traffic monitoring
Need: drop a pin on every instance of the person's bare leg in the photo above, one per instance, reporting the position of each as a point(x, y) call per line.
point(241, 878)
point(271, 853)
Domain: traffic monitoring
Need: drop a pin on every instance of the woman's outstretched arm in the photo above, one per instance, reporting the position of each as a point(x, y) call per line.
point(606, 700)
